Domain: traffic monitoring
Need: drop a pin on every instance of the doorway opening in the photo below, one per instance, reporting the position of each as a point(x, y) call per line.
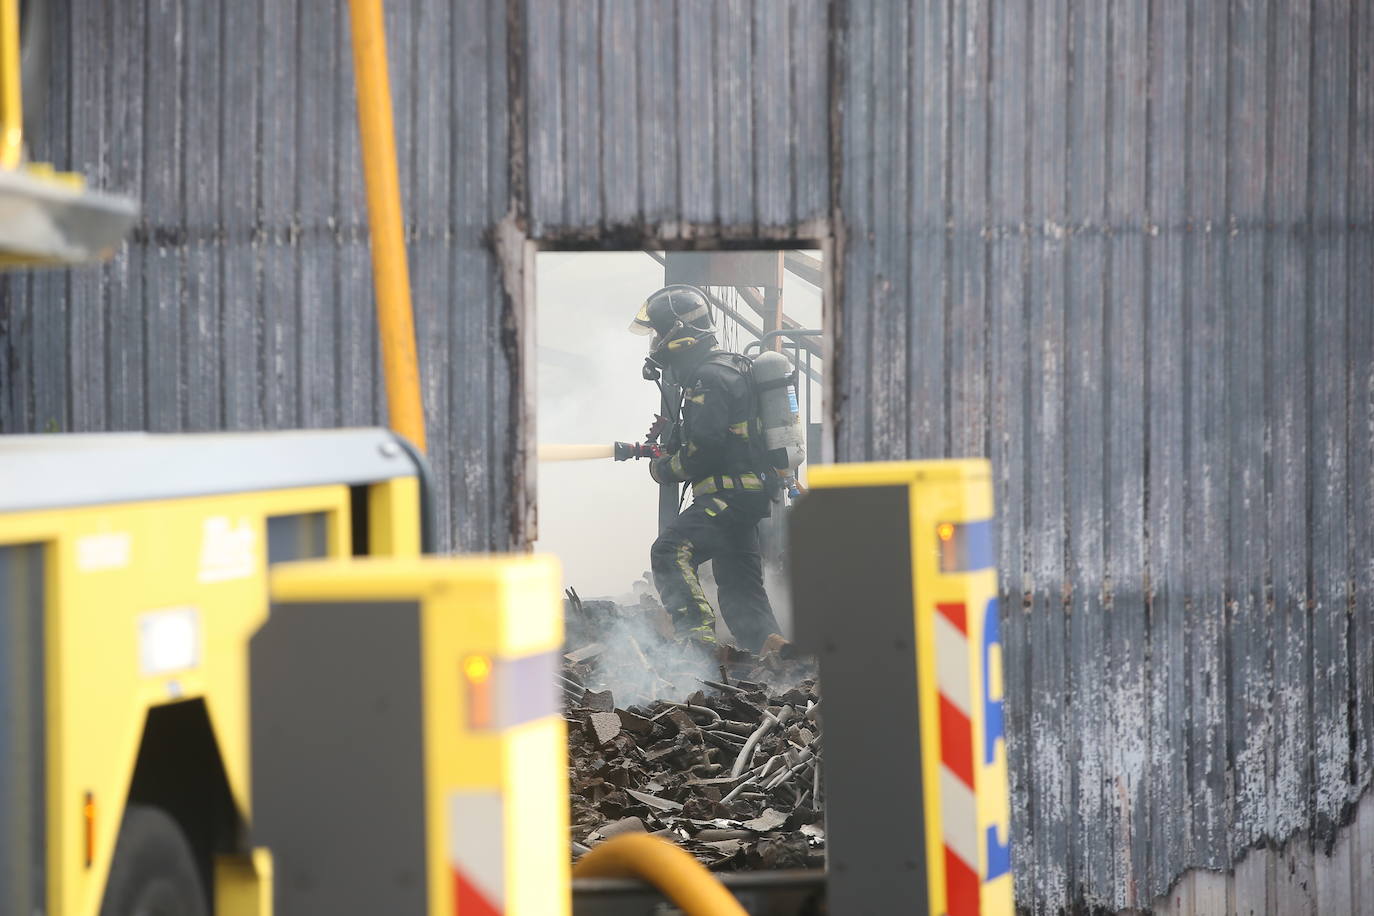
point(652, 703)
point(600, 515)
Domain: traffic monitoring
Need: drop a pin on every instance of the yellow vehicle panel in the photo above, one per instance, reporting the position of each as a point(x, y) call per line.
point(152, 602)
point(491, 734)
point(946, 510)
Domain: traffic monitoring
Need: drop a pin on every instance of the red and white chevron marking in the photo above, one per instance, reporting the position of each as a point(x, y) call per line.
point(958, 802)
point(476, 834)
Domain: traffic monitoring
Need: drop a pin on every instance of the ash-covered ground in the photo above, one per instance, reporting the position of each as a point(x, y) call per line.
point(718, 753)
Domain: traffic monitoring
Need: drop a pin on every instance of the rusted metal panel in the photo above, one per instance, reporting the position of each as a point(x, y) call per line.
point(243, 299)
point(1049, 763)
point(1009, 385)
point(431, 196)
point(1167, 470)
point(1250, 631)
point(1179, 518)
point(890, 298)
point(164, 259)
point(239, 197)
point(620, 84)
point(656, 117)
point(1127, 353)
point(1209, 450)
point(1332, 671)
point(1360, 273)
point(1086, 311)
point(675, 120)
point(280, 254)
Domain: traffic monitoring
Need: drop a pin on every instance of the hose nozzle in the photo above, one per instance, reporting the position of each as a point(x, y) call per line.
point(624, 451)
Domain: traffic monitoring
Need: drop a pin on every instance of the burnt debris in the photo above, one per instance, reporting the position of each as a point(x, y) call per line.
point(719, 752)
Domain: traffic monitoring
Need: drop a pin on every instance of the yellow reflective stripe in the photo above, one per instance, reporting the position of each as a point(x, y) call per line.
point(689, 575)
point(707, 486)
point(697, 398)
point(740, 429)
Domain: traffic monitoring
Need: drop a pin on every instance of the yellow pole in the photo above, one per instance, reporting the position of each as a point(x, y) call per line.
point(11, 96)
point(395, 322)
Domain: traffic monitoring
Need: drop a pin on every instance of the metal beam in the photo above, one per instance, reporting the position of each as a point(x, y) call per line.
point(806, 267)
point(755, 301)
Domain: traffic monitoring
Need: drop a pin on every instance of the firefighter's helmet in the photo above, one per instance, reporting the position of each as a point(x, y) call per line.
point(679, 319)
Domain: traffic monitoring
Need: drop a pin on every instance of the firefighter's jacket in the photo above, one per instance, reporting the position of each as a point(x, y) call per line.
point(718, 411)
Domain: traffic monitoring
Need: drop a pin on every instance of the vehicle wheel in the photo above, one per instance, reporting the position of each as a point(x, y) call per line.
point(154, 871)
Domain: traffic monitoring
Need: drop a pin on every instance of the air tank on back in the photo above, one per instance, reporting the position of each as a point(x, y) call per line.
point(783, 437)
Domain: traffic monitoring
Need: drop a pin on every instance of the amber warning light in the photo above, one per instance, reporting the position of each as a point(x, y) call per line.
point(88, 815)
point(477, 677)
point(964, 546)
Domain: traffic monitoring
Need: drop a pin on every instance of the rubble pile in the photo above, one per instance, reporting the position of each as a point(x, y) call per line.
point(721, 754)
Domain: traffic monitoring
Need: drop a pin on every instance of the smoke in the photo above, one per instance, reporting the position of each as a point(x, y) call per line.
point(599, 517)
point(634, 654)
point(780, 596)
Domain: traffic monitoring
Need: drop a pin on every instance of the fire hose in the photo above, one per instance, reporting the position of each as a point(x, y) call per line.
point(681, 878)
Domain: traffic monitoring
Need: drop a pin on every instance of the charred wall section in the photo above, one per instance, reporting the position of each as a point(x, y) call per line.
point(244, 298)
point(696, 119)
point(1123, 248)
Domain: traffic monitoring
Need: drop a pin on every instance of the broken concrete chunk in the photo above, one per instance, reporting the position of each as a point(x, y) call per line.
point(635, 723)
point(604, 726)
point(600, 701)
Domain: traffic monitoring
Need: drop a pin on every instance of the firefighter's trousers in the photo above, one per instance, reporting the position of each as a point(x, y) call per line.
point(724, 530)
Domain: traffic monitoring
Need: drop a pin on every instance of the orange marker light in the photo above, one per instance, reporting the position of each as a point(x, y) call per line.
point(945, 531)
point(477, 673)
point(88, 814)
point(477, 668)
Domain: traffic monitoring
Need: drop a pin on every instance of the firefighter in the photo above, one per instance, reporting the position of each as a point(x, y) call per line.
point(710, 449)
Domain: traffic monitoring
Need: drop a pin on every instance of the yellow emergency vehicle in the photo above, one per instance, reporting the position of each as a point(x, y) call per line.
point(133, 572)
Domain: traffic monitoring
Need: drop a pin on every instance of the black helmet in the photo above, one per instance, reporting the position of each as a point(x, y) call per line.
point(679, 318)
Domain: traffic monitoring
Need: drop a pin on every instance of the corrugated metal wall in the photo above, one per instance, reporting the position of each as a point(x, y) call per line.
point(1123, 248)
point(244, 298)
point(692, 119)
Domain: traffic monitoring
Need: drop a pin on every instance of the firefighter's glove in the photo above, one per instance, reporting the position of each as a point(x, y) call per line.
point(658, 469)
point(656, 428)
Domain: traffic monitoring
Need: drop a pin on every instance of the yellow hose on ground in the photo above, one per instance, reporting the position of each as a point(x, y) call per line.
point(395, 322)
point(681, 878)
